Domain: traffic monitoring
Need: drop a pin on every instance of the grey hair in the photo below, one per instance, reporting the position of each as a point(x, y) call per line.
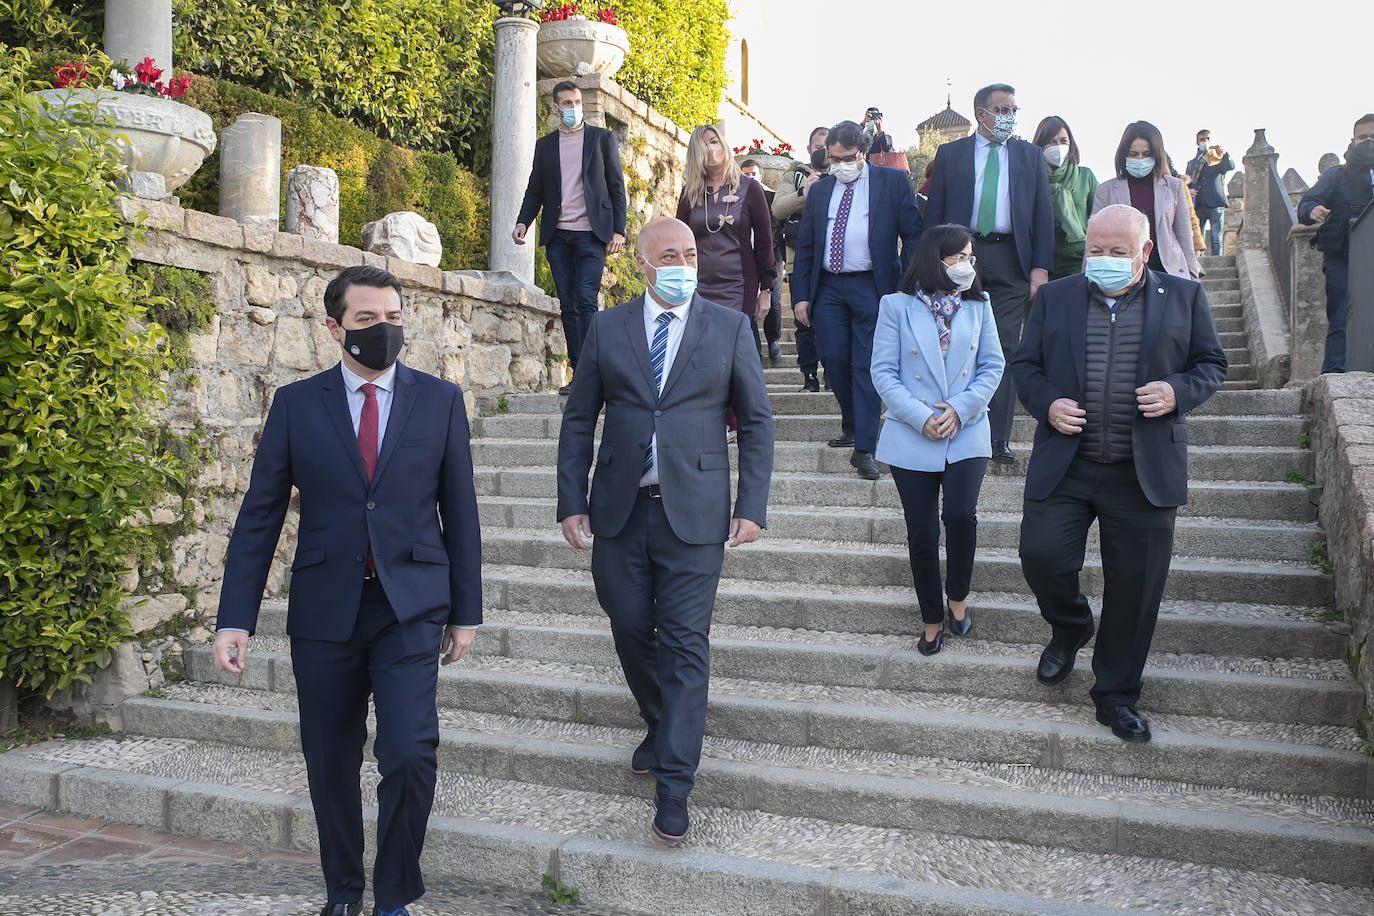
point(1138, 219)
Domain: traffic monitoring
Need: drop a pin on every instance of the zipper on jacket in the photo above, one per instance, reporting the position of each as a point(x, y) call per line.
point(1107, 379)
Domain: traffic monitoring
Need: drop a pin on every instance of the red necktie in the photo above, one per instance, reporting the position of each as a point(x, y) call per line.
point(367, 444)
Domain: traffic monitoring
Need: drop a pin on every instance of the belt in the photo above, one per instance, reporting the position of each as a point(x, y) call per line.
point(847, 273)
point(994, 237)
point(653, 491)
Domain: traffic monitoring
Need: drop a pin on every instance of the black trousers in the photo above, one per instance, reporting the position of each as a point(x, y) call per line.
point(398, 664)
point(576, 260)
point(1137, 544)
point(772, 322)
point(999, 270)
point(659, 592)
point(920, 494)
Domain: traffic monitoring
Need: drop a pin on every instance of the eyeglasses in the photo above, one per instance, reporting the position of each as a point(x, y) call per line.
point(961, 258)
point(838, 160)
point(1004, 110)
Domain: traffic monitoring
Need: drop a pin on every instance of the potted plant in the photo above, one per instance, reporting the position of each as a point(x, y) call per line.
point(161, 141)
point(773, 159)
point(576, 39)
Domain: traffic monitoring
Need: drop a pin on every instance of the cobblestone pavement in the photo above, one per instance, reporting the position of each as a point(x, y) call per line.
point(57, 865)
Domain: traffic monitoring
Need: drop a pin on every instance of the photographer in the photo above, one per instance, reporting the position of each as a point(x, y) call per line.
point(1207, 175)
point(878, 142)
point(787, 205)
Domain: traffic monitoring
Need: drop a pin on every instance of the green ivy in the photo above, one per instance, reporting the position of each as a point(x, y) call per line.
point(80, 378)
point(676, 62)
point(182, 302)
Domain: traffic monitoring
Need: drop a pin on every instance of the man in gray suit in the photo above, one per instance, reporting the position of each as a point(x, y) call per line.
point(666, 367)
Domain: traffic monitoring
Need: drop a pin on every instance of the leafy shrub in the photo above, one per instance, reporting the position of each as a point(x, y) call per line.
point(676, 62)
point(80, 373)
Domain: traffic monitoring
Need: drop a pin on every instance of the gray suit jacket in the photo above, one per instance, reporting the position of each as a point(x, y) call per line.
point(717, 367)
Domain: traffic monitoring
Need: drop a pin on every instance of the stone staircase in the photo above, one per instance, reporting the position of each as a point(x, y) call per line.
point(843, 773)
point(1221, 280)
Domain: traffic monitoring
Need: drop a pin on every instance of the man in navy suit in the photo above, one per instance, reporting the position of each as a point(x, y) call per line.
point(1110, 365)
point(996, 185)
point(847, 259)
point(386, 578)
point(577, 182)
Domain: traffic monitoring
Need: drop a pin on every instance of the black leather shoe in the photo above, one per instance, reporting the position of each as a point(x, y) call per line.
point(930, 648)
point(863, 462)
point(841, 442)
point(643, 758)
point(378, 911)
point(774, 349)
point(956, 626)
point(1125, 723)
point(810, 383)
point(670, 822)
point(1056, 662)
point(1001, 451)
point(342, 909)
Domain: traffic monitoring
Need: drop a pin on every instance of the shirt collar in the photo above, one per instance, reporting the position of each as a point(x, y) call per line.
point(652, 309)
point(353, 381)
point(980, 141)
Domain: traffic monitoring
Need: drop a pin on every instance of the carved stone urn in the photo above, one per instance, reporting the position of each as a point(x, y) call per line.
point(577, 47)
point(161, 142)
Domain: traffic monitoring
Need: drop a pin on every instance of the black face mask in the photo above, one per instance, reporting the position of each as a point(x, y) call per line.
point(1361, 154)
point(375, 346)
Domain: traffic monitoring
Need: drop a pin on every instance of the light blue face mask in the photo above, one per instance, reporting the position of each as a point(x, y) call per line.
point(572, 116)
point(1139, 168)
point(1110, 274)
point(675, 283)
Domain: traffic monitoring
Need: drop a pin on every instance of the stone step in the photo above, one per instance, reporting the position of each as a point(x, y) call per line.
point(823, 564)
point(495, 829)
point(1220, 273)
point(1208, 499)
point(1239, 385)
point(1281, 431)
point(1235, 325)
point(1227, 310)
point(1253, 756)
point(1228, 294)
point(1241, 372)
point(1326, 839)
point(1205, 462)
point(1250, 539)
point(1299, 691)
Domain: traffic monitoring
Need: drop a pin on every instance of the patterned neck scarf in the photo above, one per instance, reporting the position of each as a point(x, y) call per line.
point(943, 309)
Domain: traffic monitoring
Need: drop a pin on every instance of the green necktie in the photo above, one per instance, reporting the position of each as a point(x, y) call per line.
point(987, 206)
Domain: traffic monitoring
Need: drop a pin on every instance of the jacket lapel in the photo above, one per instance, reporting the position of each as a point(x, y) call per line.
point(639, 344)
point(922, 324)
point(691, 336)
point(588, 148)
point(336, 406)
point(961, 333)
point(402, 399)
point(1152, 300)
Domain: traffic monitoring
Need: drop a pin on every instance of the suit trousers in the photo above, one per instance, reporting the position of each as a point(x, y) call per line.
point(1337, 270)
point(1137, 540)
point(658, 592)
point(999, 270)
point(398, 665)
point(576, 260)
point(844, 314)
point(920, 495)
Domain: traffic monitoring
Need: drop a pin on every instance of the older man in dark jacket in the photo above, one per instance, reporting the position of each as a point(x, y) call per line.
point(1110, 364)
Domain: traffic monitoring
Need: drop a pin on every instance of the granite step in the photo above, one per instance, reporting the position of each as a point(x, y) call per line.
point(497, 830)
point(1325, 839)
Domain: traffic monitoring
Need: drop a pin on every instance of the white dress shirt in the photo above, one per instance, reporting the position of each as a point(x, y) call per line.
point(856, 253)
point(981, 145)
point(676, 328)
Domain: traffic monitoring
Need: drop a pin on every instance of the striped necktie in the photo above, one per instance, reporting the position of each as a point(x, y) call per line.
point(658, 355)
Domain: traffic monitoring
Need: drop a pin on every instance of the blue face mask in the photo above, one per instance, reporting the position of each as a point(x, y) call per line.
point(572, 116)
point(675, 283)
point(1110, 274)
point(1139, 168)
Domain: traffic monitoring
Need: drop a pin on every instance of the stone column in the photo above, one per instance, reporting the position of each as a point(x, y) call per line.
point(1235, 211)
point(135, 29)
point(312, 203)
point(1307, 312)
point(1295, 186)
point(250, 171)
point(1259, 158)
point(512, 143)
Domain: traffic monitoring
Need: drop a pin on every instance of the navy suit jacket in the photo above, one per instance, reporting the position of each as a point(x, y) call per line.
point(419, 513)
point(892, 215)
point(1032, 211)
point(1179, 345)
point(603, 185)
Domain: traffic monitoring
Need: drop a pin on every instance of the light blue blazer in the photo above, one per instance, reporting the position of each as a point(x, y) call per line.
point(910, 375)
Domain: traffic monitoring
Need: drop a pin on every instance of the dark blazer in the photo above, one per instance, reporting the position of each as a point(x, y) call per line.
point(1179, 346)
point(1207, 180)
point(892, 215)
point(716, 367)
point(1032, 211)
point(419, 513)
point(1346, 191)
point(603, 185)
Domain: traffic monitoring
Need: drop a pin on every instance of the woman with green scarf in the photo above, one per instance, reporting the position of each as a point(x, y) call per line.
point(1071, 188)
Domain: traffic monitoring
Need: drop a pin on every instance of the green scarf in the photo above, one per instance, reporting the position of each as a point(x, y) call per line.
point(1068, 211)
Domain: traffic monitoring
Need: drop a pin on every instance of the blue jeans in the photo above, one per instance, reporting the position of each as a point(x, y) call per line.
point(1337, 272)
point(576, 260)
point(1210, 219)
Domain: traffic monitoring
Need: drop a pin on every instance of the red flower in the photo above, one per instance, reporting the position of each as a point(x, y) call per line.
point(70, 75)
point(607, 15)
point(176, 88)
point(148, 74)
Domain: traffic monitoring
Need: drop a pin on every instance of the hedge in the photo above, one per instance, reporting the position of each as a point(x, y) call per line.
point(676, 63)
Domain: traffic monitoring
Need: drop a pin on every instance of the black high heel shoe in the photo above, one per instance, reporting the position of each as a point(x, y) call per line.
point(933, 646)
point(956, 626)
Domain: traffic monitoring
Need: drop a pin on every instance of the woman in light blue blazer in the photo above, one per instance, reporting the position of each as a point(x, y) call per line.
point(936, 363)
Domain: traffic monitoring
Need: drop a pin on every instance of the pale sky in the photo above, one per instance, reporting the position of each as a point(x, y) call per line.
point(1300, 70)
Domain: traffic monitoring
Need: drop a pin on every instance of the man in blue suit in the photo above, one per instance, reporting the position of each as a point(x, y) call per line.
point(847, 259)
point(386, 577)
point(996, 185)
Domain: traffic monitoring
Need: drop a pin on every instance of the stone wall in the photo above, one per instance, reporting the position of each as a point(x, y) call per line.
point(1340, 414)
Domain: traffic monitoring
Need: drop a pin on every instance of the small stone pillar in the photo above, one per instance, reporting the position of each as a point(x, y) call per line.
point(1259, 159)
point(250, 171)
point(1307, 312)
point(135, 29)
point(512, 143)
point(312, 203)
point(1295, 186)
point(1235, 212)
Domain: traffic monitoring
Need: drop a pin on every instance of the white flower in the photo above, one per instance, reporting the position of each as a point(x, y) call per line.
point(118, 80)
